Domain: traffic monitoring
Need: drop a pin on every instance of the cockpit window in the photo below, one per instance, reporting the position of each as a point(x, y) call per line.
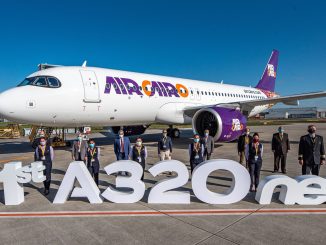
point(41, 81)
point(27, 81)
point(53, 82)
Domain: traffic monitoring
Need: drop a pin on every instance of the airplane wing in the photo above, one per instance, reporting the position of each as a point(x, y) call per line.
point(250, 104)
point(288, 100)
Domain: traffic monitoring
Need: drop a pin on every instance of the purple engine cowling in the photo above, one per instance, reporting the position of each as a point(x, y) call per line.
point(224, 124)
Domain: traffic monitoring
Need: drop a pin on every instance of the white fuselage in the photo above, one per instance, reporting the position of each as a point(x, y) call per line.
point(81, 100)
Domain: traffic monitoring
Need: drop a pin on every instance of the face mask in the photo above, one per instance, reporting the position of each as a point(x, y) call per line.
point(79, 138)
point(196, 140)
point(42, 143)
point(91, 145)
point(41, 135)
point(206, 134)
point(281, 131)
point(247, 133)
point(255, 140)
point(165, 134)
point(138, 143)
point(121, 135)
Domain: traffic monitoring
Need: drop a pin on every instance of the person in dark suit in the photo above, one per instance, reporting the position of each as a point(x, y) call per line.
point(139, 154)
point(92, 159)
point(255, 160)
point(311, 152)
point(243, 142)
point(208, 143)
point(45, 153)
point(164, 146)
point(79, 149)
point(280, 147)
point(122, 148)
point(196, 152)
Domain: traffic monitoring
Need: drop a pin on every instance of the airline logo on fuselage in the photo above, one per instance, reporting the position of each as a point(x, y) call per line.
point(127, 86)
point(270, 71)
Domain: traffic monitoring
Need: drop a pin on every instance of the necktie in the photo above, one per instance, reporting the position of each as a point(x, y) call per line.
point(121, 145)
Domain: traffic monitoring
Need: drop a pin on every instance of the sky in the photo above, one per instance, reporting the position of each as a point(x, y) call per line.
point(205, 40)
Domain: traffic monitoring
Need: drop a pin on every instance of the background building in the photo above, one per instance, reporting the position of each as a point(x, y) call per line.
point(296, 112)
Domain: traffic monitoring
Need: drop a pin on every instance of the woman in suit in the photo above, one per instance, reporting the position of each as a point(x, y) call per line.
point(139, 154)
point(255, 161)
point(93, 160)
point(196, 152)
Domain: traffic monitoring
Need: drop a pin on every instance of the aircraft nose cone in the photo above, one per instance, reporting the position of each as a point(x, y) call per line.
point(2, 105)
point(6, 102)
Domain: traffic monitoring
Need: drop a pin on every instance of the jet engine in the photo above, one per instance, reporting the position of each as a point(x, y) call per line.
point(224, 124)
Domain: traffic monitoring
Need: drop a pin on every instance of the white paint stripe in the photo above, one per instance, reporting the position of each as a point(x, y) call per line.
point(145, 213)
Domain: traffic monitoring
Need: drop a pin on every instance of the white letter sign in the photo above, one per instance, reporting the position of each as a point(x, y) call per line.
point(88, 189)
point(239, 187)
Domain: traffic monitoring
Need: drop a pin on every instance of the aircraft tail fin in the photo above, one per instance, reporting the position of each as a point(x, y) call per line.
point(267, 81)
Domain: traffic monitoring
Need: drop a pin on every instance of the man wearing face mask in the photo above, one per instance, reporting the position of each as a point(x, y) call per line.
point(243, 142)
point(208, 143)
point(139, 154)
point(122, 148)
point(164, 146)
point(45, 153)
point(196, 152)
point(280, 147)
point(92, 159)
point(79, 149)
point(311, 152)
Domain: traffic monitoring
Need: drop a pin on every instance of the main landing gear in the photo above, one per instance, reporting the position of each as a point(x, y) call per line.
point(173, 132)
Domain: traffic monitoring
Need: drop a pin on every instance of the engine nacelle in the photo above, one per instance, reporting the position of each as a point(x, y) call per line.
point(130, 130)
point(224, 124)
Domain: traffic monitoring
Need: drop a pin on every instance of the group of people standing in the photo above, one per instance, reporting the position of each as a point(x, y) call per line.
point(311, 153)
point(250, 151)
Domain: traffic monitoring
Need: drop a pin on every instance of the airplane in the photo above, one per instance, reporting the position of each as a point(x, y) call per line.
point(79, 96)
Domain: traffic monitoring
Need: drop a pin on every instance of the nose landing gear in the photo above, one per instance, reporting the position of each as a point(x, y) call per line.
point(173, 132)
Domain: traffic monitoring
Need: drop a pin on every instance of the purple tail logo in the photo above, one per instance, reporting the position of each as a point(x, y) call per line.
point(271, 71)
point(267, 81)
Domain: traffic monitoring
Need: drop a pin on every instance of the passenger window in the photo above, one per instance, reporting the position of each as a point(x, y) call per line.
point(41, 81)
point(53, 82)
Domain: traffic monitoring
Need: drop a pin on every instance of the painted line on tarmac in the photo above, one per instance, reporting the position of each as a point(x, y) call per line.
point(190, 212)
point(14, 159)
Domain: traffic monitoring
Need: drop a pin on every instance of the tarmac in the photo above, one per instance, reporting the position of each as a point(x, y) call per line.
point(38, 221)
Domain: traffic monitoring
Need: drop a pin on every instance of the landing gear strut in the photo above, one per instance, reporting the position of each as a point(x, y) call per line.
point(173, 132)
